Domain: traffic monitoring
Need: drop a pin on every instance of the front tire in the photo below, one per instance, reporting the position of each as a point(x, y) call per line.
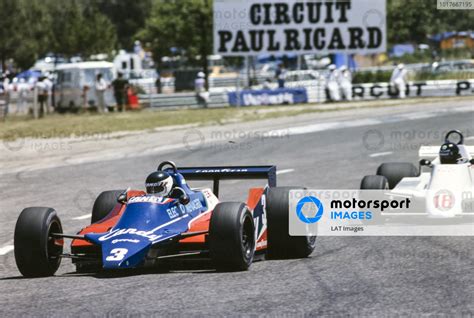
point(374, 183)
point(232, 237)
point(104, 204)
point(280, 244)
point(37, 254)
point(396, 171)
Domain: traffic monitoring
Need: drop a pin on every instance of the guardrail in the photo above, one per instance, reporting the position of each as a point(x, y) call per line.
point(181, 100)
point(316, 93)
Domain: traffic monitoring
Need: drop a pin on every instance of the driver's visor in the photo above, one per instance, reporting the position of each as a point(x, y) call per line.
point(155, 187)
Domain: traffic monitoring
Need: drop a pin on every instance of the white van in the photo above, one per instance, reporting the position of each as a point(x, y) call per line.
point(75, 85)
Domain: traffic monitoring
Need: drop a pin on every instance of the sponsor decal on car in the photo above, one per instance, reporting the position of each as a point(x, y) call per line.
point(221, 170)
point(147, 199)
point(117, 232)
point(125, 241)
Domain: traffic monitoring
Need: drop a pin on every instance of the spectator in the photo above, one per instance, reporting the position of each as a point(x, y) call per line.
point(5, 90)
point(202, 96)
point(332, 84)
point(267, 84)
point(158, 83)
point(281, 75)
point(100, 89)
point(23, 91)
point(42, 91)
point(49, 91)
point(120, 86)
point(345, 83)
point(399, 80)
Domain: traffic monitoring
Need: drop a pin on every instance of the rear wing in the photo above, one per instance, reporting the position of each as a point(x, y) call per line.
point(431, 152)
point(229, 173)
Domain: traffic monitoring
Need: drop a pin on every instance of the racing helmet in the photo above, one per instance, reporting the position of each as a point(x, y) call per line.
point(159, 183)
point(449, 153)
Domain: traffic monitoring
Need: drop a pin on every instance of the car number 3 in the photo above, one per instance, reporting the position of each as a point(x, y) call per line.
point(117, 254)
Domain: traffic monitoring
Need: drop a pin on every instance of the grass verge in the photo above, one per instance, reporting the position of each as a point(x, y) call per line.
point(56, 125)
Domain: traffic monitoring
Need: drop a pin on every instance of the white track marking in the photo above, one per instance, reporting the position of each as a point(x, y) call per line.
point(308, 129)
point(83, 217)
point(469, 138)
point(6, 249)
point(380, 154)
point(285, 171)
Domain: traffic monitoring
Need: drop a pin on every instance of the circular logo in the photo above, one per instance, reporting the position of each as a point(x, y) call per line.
point(83, 200)
point(373, 140)
point(14, 145)
point(316, 207)
point(444, 200)
point(193, 139)
point(374, 18)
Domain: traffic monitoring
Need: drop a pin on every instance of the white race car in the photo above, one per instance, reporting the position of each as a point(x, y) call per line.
point(444, 190)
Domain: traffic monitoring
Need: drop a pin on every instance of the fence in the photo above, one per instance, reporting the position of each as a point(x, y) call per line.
point(157, 101)
point(316, 93)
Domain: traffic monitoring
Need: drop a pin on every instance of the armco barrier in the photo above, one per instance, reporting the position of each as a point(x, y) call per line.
point(315, 93)
point(181, 100)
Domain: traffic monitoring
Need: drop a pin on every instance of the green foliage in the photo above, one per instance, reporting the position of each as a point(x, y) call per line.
point(31, 28)
point(23, 30)
point(429, 76)
point(371, 77)
point(182, 24)
point(79, 28)
point(127, 16)
point(411, 21)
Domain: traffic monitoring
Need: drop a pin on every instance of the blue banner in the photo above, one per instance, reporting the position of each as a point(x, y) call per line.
point(281, 96)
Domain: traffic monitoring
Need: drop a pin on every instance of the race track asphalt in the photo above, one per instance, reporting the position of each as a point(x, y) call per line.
point(366, 276)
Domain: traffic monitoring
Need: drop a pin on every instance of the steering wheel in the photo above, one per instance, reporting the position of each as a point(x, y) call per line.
point(168, 163)
point(454, 132)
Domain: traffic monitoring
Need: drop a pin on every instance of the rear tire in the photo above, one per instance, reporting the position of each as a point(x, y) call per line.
point(396, 171)
point(104, 204)
point(374, 183)
point(36, 253)
point(232, 237)
point(280, 244)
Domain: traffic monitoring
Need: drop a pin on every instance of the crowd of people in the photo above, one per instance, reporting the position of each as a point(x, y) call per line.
point(24, 90)
point(338, 82)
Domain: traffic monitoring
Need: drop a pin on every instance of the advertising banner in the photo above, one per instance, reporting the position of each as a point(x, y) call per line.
point(252, 27)
point(280, 96)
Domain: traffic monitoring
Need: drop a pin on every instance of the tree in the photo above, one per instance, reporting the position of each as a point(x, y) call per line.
point(23, 31)
point(77, 27)
point(182, 24)
point(128, 17)
point(413, 21)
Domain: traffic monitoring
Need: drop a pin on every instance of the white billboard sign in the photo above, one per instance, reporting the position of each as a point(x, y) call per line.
point(252, 27)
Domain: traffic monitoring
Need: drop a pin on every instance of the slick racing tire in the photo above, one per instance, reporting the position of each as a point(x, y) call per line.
point(37, 254)
point(374, 183)
point(232, 237)
point(395, 172)
point(104, 204)
point(280, 244)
